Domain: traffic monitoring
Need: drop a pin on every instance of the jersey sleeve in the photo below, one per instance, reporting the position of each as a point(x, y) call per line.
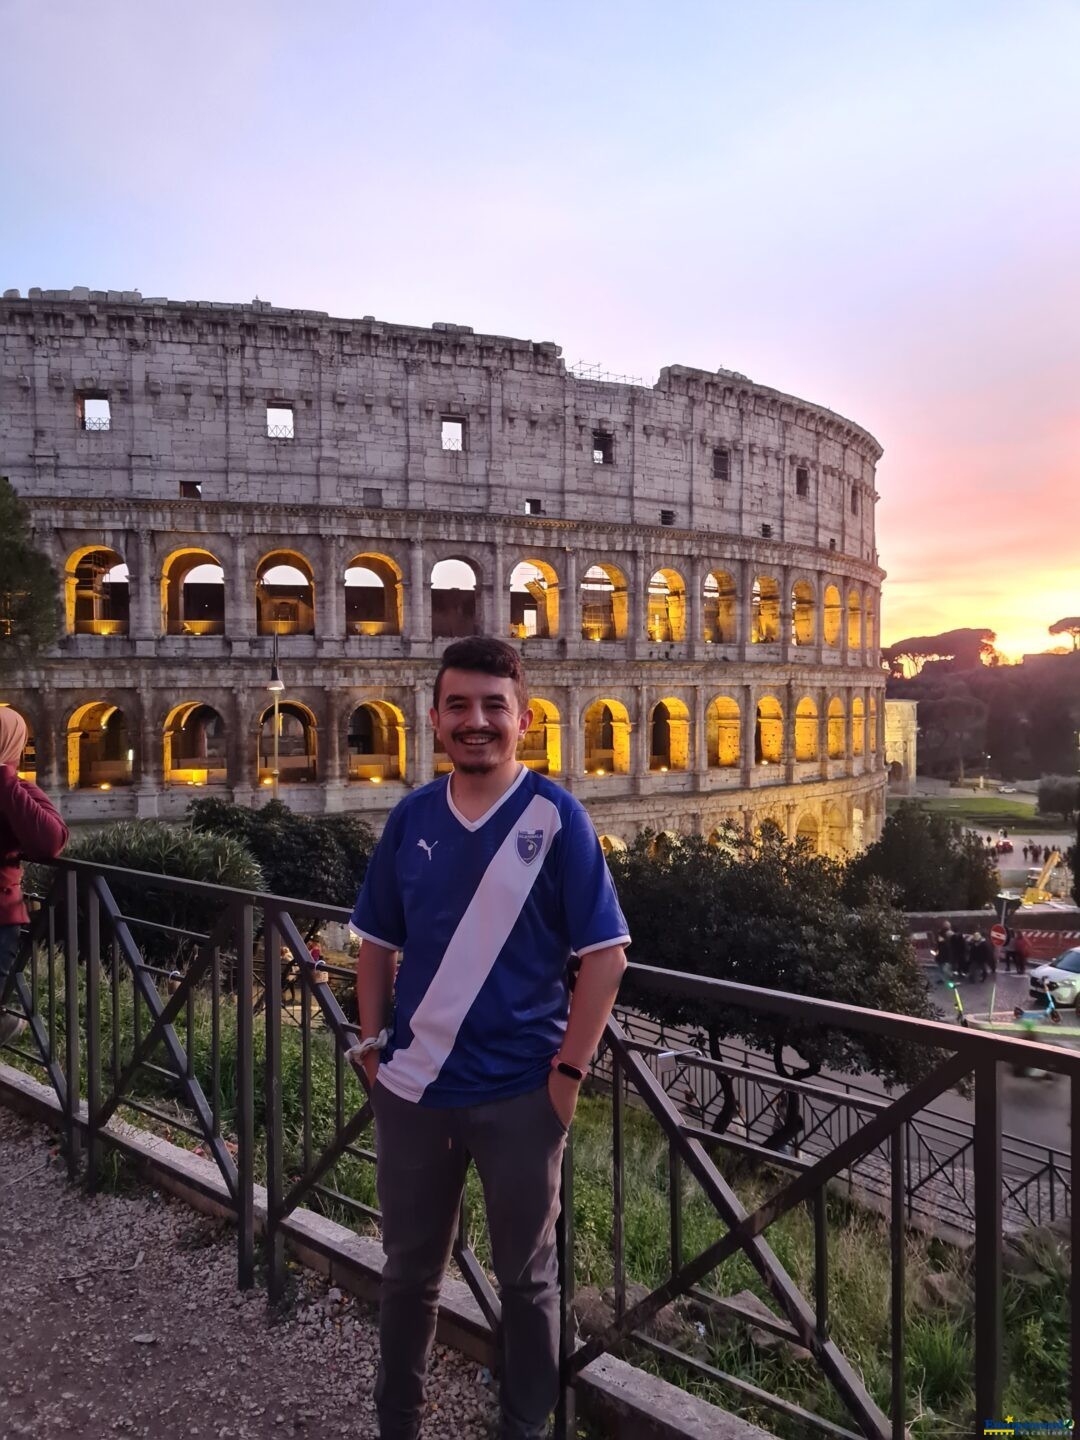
point(591, 910)
point(379, 915)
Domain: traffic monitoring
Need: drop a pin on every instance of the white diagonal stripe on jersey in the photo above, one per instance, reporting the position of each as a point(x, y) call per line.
point(470, 956)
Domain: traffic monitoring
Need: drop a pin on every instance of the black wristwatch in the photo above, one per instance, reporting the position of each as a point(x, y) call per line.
point(572, 1071)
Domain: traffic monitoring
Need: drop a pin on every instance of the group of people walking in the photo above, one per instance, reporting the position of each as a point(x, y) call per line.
point(974, 956)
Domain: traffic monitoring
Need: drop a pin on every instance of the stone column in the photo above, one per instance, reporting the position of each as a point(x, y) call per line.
point(789, 819)
point(148, 763)
point(570, 604)
point(145, 615)
point(573, 746)
point(868, 756)
point(848, 695)
point(243, 776)
point(329, 610)
point(701, 739)
point(423, 765)
point(748, 731)
point(844, 623)
point(823, 732)
point(694, 607)
point(332, 776)
point(499, 609)
point(639, 735)
point(46, 738)
point(744, 608)
point(419, 622)
point(241, 615)
point(638, 609)
point(790, 701)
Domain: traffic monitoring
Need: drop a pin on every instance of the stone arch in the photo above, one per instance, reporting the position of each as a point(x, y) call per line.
point(765, 610)
point(808, 830)
point(858, 725)
point(192, 593)
point(666, 621)
point(298, 750)
point(610, 843)
point(99, 749)
point(376, 742)
point(854, 620)
point(723, 732)
point(534, 600)
point(607, 737)
point(374, 598)
point(835, 724)
point(454, 586)
point(97, 592)
point(662, 842)
point(834, 829)
point(669, 735)
point(285, 594)
point(27, 766)
point(830, 624)
point(719, 609)
point(806, 729)
point(802, 613)
point(769, 732)
point(541, 745)
point(604, 603)
point(727, 836)
point(195, 745)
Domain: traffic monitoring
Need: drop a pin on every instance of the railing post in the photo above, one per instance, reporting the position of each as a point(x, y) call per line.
point(93, 1034)
point(71, 1018)
point(275, 1245)
point(1073, 1200)
point(898, 1162)
point(245, 1097)
point(566, 1411)
point(988, 1238)
point(617, 1185)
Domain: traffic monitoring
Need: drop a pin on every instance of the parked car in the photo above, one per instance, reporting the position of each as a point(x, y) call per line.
point(1061, 976)
point(1006, 789)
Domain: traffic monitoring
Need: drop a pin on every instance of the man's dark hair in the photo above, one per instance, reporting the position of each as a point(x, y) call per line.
point(488, 656)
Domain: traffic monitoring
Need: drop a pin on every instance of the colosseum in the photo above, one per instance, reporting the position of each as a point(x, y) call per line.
point(269, 523)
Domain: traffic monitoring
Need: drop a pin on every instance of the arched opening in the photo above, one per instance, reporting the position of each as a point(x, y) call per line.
point(870, 620)
point(835, 722)
point(873, 725)
point(831, 616)
point(26, 769)
point(373, 596)
point(723, 736)
point(858, 726)
point(662, 843)
point(727, 836)
point(669, 736)
point(667, 607)
point(603, 603)
point(854, 620)
point(806, 730)
point(896, 772)
point(534, 601)
point(802, 613)
point(611, 843)
point(99, 753)
point(769, 732)
point(195, 751)
point(835, 830)
point(192, 594)
point(285, 595)
point(765, 611)
point(607, 738)
point(376, 742)
point(453, 600)
point(807, 831)
point(541, 745)
point(720, 625)
point(297, 745)
point(97, 595)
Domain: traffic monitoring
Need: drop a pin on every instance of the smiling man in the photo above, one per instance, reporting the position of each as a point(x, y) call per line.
point(486, 881)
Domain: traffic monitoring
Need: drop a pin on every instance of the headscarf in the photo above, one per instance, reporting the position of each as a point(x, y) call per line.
point(12, 736)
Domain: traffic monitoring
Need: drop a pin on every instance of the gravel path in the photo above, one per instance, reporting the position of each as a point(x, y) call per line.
point(119, 1316)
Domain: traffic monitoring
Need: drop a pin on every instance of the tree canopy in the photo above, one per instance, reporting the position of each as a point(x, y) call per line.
point(965, 648)
point(1069, 626)
point(29, 589)
point(1059, 795)
point(928, 861)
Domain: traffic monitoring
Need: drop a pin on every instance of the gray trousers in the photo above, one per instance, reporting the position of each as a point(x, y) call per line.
point(423, 1154)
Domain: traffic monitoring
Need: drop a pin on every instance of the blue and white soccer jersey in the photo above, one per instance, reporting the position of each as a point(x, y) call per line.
point(486, 913)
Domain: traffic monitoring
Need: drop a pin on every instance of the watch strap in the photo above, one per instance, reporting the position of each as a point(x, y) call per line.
point(565, 1068)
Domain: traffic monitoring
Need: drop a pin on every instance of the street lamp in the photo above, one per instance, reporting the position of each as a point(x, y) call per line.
point(275, 685)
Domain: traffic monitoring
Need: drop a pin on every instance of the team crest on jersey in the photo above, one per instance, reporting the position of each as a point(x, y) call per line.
point(528, 845)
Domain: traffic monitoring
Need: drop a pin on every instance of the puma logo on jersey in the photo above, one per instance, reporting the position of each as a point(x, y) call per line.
point(426, 847)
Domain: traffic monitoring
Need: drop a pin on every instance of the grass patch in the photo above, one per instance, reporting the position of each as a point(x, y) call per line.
point(985, 812)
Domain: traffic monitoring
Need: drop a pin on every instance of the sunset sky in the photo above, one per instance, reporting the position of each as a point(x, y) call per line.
point(874, 206)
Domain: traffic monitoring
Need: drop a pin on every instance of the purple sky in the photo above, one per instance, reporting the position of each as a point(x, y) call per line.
point(874, 206)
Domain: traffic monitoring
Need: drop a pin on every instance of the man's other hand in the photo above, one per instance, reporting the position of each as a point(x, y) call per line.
point(563, 1094)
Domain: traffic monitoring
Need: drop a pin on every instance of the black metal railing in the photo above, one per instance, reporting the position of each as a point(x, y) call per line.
point(135, 1010)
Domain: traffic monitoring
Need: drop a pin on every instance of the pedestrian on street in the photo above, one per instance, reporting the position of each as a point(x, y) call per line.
point(486, 881)
point(30, 829)
point(959, 957)
point(983, 958)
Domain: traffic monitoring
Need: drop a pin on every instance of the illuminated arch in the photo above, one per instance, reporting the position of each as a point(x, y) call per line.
point(808, 830)
point(854, 620)
point(765, 610)
point(97, 593)
point(667, 607)
point(607, 738)
point(858, 726)
point(192, 593)
point(195, 745)
point(834, 829)
point(769, 732)
point(723, 732)
point(806, 730)
point(836, 721)
point(298, 752)
point(831, 616)
point(719, 614)
point(534, 600)
point(669, 735)
point(454, 612)
point(541, 745)
point(802, 613)
point(285, 594)
point(27, 766)
point(604, 603)
point(373, 595)
point(610, 843)
point(99, 751)
point(376, 742)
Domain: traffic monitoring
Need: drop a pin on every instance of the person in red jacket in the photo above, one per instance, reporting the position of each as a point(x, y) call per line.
point(30, 829)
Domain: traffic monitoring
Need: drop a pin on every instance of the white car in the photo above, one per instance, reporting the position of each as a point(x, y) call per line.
point(1060, 976)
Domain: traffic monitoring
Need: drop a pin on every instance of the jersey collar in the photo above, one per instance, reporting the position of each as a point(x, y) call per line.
point(476, 824)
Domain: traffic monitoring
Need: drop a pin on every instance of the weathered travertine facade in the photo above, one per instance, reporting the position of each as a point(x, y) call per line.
point(690, 568)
